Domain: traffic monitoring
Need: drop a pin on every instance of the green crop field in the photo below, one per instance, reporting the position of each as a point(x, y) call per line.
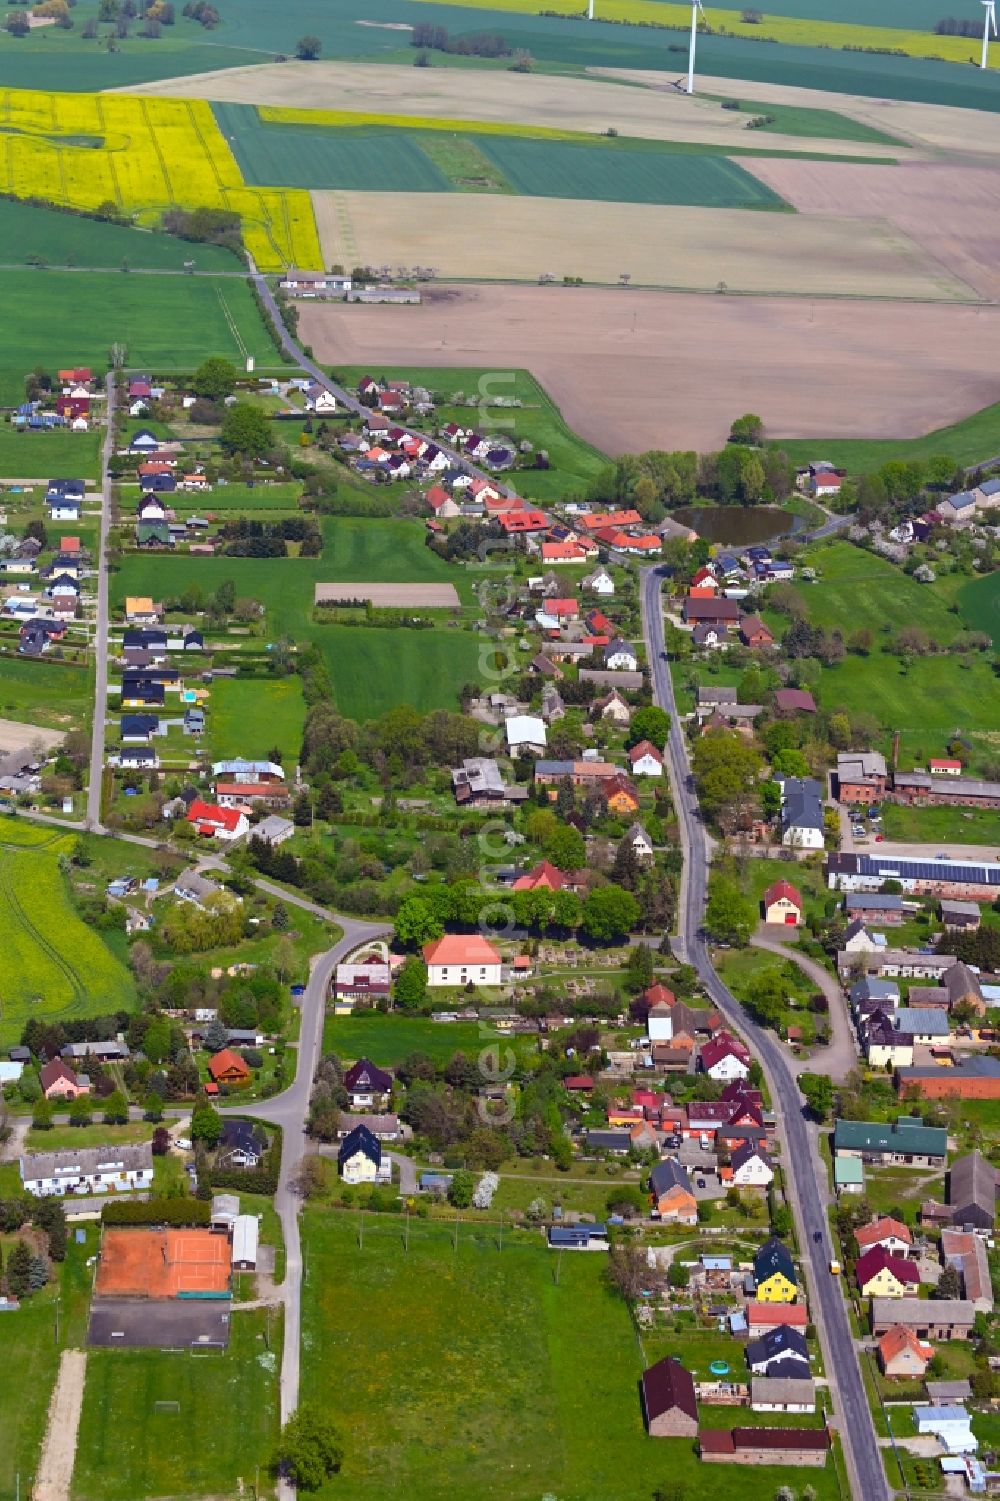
point(384, 159)
point(49, 694)
point(971, 441)
point(815, 124)
point(52, 964)
point(979, 602)
point(573, 463)
point(167, 323)
point(28, 455)
point(247, 716)
point(253, 498)
point(372, 669)
point(70, 240)
point(526, 1384)
point(564, 169)
point(224, 1431)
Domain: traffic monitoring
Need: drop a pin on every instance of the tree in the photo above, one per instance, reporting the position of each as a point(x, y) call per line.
point(651, 724)
point(279, 917)
point(80, 1111)
point(639, 968)
point(215, 378)
point(609, 914)
point(41, 1115)
point(216, 1035)
point(628, 1271)
point(115, 1109)
point(308, 48)
point(153, 1109)
point(730, 917)
point(416, 924)
point(818, 1091)
point(566, 847)
point(411, 984)
point(678, 1275)
point(309, 1450)
point(725, 770)
point(949, 1283)
point(19, 1269)
point(747, 429)
point(246, 431)
point(206, 1124)
point(161, 1141)
point(460, 1189)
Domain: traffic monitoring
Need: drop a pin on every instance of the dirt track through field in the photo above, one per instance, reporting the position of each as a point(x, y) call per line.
point(633, 370)
point(55, 1468)
point(393, 596)
point(488, 238)
point(952, 211)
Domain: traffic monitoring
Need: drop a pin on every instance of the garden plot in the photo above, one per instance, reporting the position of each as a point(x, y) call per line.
point(391, 596)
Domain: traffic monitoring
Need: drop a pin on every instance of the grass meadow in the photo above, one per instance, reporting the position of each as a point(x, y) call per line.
point(167, 323)
point(249, 716)
point(473, 1371)
point(51, 694)
point(52, 964)
point(386, 1040)
point(372, 669)
point(980, 605)
point(941, 825)
point(38, 456)
point(224, 1431)
point(75, 242)
point(971, 441)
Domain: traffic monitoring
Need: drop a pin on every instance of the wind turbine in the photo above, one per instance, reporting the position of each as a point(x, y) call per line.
point(989, 19)
point(697, 6)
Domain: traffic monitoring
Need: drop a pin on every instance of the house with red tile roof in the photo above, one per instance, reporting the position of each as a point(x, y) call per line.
point(782, 904)
point(566, 552)
point(462, 959)
point(723, 1057)
point(545, 875)
point(891, 1234)
point(220, 823)
point(646, 760)
point(901, 1353)
point(519, 521)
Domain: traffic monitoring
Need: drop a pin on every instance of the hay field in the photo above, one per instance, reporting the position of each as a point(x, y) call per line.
point(812, 369)
point(926, 127)
point(465, 235)
point(559, 103)
point(952, 211)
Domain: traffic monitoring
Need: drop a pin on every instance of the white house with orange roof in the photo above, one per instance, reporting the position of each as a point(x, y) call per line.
point(462, 959)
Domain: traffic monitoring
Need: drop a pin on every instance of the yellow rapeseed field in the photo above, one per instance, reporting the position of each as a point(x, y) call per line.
point(144, 156)
point(797, 31)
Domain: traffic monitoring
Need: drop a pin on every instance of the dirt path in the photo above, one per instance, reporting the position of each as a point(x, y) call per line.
point(55, 1469)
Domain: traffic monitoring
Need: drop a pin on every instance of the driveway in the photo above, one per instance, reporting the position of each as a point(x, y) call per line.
point(841, 1055)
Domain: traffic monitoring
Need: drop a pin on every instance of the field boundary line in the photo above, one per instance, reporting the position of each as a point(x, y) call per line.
point(155, 142)
point(231, 321)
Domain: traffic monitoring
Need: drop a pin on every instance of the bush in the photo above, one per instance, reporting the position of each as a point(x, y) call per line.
point(157, 1212)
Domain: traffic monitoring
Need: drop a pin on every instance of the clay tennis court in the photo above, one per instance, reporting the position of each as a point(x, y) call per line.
point(391, 596)
point(163, 1264)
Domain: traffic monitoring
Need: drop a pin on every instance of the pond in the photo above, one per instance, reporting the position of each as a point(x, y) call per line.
point(739, 526)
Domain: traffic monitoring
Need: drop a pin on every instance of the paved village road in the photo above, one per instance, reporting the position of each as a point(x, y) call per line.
point(804, 1171)
point(100, 640)
point(841, 1055)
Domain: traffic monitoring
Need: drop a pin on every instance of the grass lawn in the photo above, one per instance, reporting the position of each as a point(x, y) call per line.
point(31, 1357)
point(166, 322)
point(979, 601)
point(758, 875)
point(574, 464)
point(40, 455)
point(739, 967)
point(52, 964)
point(71, 240)
point(375, 670)
point(250, 715)
point(525, 1383)
point(225, 1428)
point(386, 1040)
point(63, 1138)
point(254, 498)
point(889, 1188)
point(941, 825)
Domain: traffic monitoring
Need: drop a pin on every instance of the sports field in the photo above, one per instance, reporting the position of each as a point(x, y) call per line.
point(382, 159)
point(167, 323)
point(162, 1264)
point(52, 964)
point(888, 369)
point(517, 1376)
point(212, 1446)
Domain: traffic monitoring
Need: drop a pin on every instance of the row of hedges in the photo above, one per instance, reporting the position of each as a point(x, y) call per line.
point(185, 1211)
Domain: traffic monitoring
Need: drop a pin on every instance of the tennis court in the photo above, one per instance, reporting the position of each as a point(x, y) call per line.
point(163, 1264)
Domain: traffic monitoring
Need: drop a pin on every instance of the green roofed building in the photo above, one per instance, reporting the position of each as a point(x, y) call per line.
point(906, 1141)
point(848, 1175)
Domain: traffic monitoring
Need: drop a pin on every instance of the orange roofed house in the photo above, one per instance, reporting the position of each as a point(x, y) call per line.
point(901, 1353)
point(462, 959)
point(229, 1068)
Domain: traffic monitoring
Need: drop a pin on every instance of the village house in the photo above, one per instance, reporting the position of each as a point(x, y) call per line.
point(360, 1158)
point(780, 1352)
point(782, 904)
point(774, 1273)
point(782, 1394)
point(887, 1233)
point(462, 959)
point(227, 1067)
point(761, 1317)
point(966, 1252)
point(724, 1057)
point(241, 1145)
point(645, 760)
point(88, 1170)
point(883, 1275)
point(60, 1082)
point(669, 1404)
point(368, 1087)
point(901, 1354)
point(211, 821)
point(674, 1202)
point(907, 1142)
point(749, 1167)
point(928, 1318)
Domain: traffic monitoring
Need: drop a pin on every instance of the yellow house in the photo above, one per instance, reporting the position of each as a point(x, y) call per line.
point(882, 1275)
point(774, 1274)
